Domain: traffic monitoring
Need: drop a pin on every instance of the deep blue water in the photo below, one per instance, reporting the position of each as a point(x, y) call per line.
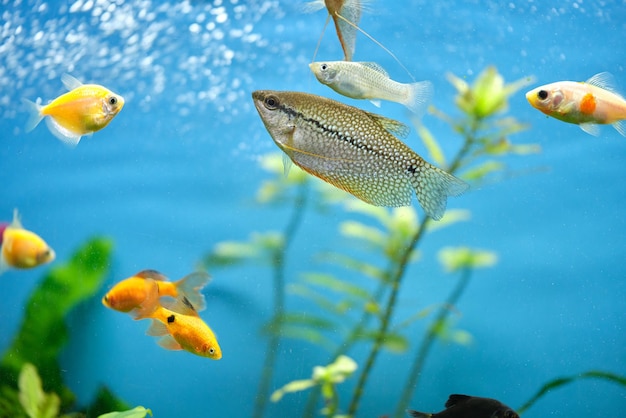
point(177, 170)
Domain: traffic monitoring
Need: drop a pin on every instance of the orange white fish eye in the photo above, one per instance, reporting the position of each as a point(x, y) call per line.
point(543, 95)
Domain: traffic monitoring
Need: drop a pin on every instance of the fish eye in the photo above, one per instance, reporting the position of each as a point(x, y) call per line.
point(324, 67)
point(543, 95)
point(271, 102)
point(113, 100)
point(211, 350)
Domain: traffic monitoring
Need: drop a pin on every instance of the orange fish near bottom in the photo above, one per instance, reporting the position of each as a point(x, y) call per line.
point(587, 104)
point(85, 109)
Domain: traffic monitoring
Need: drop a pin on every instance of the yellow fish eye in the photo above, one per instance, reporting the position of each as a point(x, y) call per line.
point(112, 100)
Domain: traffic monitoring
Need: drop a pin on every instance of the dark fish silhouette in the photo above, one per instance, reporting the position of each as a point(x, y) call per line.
point(464, 406)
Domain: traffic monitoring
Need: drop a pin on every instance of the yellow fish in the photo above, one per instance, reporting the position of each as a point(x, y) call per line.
point(130, 293)
point(368, 80)
point(20, 248)
point(85, 109)
point(180, 327)
point(354, 150)
point(587, 104)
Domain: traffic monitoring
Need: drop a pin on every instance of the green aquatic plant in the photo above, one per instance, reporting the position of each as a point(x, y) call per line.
point(43, 334)
point(326, 378)
point(137, 412)
point(357, 305)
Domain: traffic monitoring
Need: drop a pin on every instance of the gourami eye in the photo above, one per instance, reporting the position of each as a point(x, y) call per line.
point(271, 102)
point(543, 95)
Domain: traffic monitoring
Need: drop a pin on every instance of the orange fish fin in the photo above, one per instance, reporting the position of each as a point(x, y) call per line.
point(17, 220)
point(150, 304)
point(588, 104)
point(152, 274)
point(157, 329)
point(182, 305)
point(169, 343)
point(191, 286)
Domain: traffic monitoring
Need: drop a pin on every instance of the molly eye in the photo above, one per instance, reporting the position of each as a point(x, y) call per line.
point(324, 67)
point(271, 102)
point(113, 100)
point(543, 95)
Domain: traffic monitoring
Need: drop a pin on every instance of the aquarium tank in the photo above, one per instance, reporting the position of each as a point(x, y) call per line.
point(167, 251)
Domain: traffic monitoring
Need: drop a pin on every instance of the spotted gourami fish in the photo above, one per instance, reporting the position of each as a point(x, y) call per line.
point(464, 406)
point(354, 151)
point(133, 291)
point(368, 80)
point(179, 326)
point(20, 248)
point(86, 108)
point(587, 104)
point(346, 15)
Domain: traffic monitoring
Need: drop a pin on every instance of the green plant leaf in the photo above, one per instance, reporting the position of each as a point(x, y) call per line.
point(359, 266)
point(43, 332)
point(330, 282)
point(35, 402)
point(431, 144)
point(260, 248)
point(137, 412)
point(454, 259)
point(291, 387)
point(373, 236)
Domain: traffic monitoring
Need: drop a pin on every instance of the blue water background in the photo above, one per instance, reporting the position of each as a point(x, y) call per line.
point(177, 170)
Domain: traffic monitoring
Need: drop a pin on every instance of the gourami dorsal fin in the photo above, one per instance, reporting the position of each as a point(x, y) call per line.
point(392, 126)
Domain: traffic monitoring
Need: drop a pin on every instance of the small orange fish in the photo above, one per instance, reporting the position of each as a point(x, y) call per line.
point(20, 248)
point(180, 327)
point(587, 104)
point(85, 109)
point(130, 293)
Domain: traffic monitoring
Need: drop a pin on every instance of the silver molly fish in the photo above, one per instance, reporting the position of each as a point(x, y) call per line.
point(354, 150)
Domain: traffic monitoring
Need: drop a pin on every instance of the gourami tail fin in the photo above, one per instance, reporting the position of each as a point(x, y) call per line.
point(433, 186)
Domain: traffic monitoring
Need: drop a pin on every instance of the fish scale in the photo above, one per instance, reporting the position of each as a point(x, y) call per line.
point(354, 151)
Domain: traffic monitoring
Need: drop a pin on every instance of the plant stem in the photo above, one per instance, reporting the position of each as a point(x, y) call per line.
point(427, 342)
point(278, 263)
point(396, 280)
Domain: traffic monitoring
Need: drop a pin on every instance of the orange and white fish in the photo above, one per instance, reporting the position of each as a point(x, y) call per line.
point(85, 109)
point(587, 104)
point(20, 248)
point(130, 293)
point(180, 327)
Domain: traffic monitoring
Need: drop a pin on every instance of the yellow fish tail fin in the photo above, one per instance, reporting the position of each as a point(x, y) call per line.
point(35, 114)
point(191, 286)
point(433, 186)
point(418, 97)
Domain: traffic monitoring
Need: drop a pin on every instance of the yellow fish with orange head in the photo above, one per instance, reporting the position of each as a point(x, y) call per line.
point(20, 248)
point(179, 326)
point(587, 104)
point(85, 109)
point(130, 293)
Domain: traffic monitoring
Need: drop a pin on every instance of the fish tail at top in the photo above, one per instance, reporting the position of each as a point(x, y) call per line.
point(418, 414)
point(418, 97)
point(191, 286)
point(433, 186)
point(35, 114)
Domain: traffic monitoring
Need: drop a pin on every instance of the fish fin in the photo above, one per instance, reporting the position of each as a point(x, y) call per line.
point(156, 329)
point(375, 102)
point(68, 137)
point(392, 126)
point(418, 97)
point(183, 305)
point(312, 6)
point(456, 399)
point(433, 186)
point(376, 67)
point(418, 414)
point(191, 286)
point(152, 274)
point(620, 126)
point(169, 343)
point(35, 114)
point(4, 266)
point(147, 308)
point(604, 81)
point(590, 128)
point(17, 220)
point(287, 163)
point(70, 82)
